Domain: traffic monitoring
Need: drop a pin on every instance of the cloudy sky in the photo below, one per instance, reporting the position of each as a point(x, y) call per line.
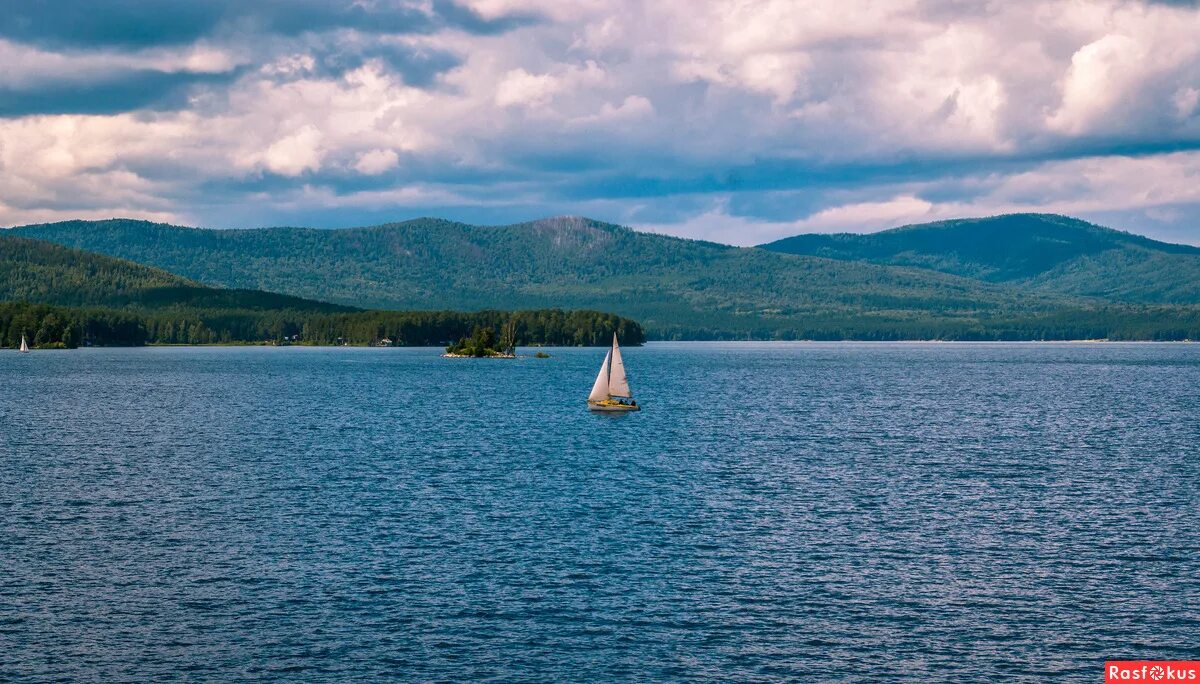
point(733, 120)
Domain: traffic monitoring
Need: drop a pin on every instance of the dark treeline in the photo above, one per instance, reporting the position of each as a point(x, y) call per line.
point(553, 327)
point(1108, 322)
point(54, 326)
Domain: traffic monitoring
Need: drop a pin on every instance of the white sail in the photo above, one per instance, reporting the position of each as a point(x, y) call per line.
point(618, 384)
point(600, 389)
point(24, 344)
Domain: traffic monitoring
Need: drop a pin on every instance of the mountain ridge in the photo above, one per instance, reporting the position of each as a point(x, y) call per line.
point(63, 297)
point(674, 286)
point(48, 273)
point(1046, 253)
point(680, 288)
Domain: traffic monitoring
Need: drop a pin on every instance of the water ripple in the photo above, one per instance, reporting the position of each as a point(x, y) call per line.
point(813, 512)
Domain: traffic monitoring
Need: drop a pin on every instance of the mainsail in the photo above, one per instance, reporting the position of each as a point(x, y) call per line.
point(600, 389)
point(618, 384)
point(24, 344)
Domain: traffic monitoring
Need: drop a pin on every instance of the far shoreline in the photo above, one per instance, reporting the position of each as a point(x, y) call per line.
point(219, 345)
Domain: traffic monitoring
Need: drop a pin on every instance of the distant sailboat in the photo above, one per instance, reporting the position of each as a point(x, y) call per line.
point(24, 345)
point(611, 391)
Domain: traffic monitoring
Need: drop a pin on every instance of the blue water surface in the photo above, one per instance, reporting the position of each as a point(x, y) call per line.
point(779, 511)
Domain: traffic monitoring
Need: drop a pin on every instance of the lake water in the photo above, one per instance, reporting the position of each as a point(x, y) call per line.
point(812, 512)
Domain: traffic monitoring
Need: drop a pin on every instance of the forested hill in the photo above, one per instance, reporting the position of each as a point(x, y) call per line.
point(674, 287)
point(1042, 252)
point(47, 273)
point(63, 297)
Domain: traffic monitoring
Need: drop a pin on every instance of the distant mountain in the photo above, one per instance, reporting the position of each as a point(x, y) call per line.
point(675, 287)
point(686, 288)
point(61, 297)
point(1045, 253)
point(47, 273)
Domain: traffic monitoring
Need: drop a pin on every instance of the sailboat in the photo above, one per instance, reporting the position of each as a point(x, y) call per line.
point(24, 345)
point(611, 391)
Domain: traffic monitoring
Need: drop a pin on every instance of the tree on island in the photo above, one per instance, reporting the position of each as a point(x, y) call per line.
point(481, 343)
point(508, 338)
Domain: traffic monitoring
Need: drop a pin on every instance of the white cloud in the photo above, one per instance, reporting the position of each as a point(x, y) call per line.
point(1158, 185)
point(296, 153)
point(25, 65)
point(1099, 75)
point(632, 108)
point(871, 215)
point(520, 87)
point(716, 224)
point(1123, 76)
point(669, 102)
point(377, 161)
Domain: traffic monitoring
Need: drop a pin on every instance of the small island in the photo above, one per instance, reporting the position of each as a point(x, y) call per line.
point(483, 344)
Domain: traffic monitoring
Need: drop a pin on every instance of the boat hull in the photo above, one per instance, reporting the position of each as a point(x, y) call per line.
point(612, 407)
